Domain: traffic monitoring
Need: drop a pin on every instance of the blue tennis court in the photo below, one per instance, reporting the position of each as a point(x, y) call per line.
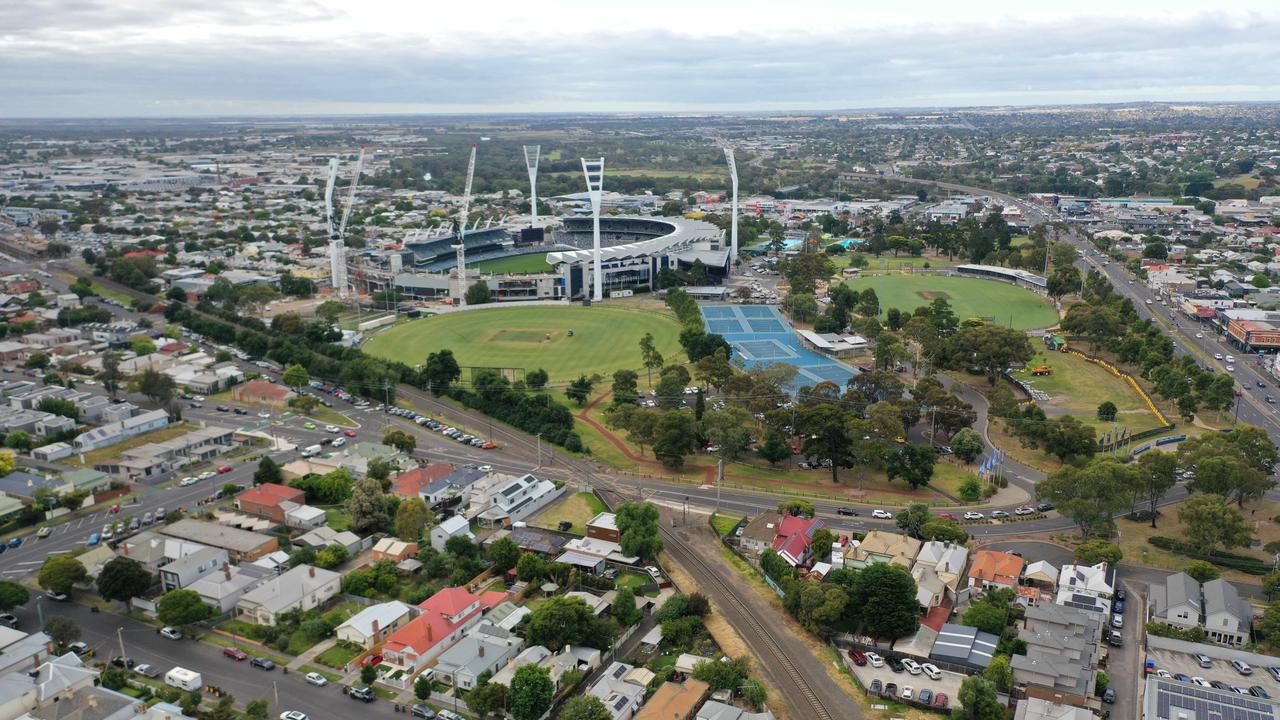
point(759, 334)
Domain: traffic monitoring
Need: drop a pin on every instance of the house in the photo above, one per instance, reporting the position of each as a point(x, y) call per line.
point(411, 483)
point(302, 588)
point(883, 547)
point(992, 568)
point(182, 572)
point(1037, 709)
point(114, 432)
point(223, 590)
point(514, 499)
point(95, 558)
point(1177, 602)
point(473, 656)
point(394, 549)
point(456, 526)
point(266, 500)
point(716, 710)
point(507, 615)
point(794, 537)
point(946, 559)
point(621, 691)
point(930, 590)
point(239, 544)
point(579, 658)
point(1042, 575)
point(604, 526)
point(372, 625)
point(261, 392)
point(57, 680)
point(445, 617)
point(153, 459)
point(592, 555)
point(675, 701)
point(323, 537)
point(22, 650)
point(1227, 618)
point(965, 646)
point(532, 655)
point(155, 551)
point(453, 485)
point(1061, 661)
point(1096, 580)
point(758, 535)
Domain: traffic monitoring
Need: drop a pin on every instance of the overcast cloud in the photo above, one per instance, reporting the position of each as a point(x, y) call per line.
point(92, 58)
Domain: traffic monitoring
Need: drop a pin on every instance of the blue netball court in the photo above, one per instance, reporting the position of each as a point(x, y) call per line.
point(759, 334)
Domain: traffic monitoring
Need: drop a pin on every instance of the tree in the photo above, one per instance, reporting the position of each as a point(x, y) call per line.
point(825, 429)
point(257, 709)
point(1202, 571)
point(1237, 465)
point(624, 607)
point(440, 370)
point(722, 674)
point(156, 386)
point(400, 440)
point(987, 617)
point(123, 578)
point(821, 544)
point(730, 430)
point(180, 608)
point(967, 445)
point(142, 345)
point(60, 572)
point(1066, 437)
point(530, 567)
point(1091, 495)
point(1063, 281)
point(531, 692)
point(488, 699)
point(797, 508)
point(478, 293)
point(422, 687)
point(943, 531)
point(913, 463)
point(412, 517)
point(754, 692)
point(8, 463)
point(673, 438)
point(1156, 474)
point(368, 674)
point(504, 553)
point(1092, 552)
point(650, 356)
point(63, 630)
point(991, 348)
point(912, 518)
point(1000, 673)
point(638, 527)
point(295, 376)
point(584, 707)
point(12, 595)
point(885, 598)
point(268, 471)
point(803, 307)
point(368, 506)
point(978, 700)
point(257, 297)
point(625, 389)
point(111, 375)
point(563, 620)
point(775, 447)
point(1211, 523)
point(579, 390)
point(1107, 411)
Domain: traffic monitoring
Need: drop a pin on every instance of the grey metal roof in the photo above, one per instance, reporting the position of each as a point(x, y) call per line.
point(683, 233)
point(1181, 588)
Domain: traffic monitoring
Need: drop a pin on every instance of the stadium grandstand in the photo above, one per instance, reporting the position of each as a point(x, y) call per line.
point(1021, 278)
point(633, 250)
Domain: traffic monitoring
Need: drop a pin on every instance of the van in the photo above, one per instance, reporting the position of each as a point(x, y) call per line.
point(183, 679)
point(311, 451)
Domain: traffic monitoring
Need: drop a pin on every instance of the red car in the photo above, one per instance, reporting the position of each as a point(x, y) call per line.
point(940, 700)
point(224, 469)
point(374, 659)
point(948, 516)
point(857, 657)
point(488, 446)
point(349, 433)
point(113, 509)
point(235, 653)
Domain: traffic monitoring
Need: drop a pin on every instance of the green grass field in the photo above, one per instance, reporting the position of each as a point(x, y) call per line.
point(605, 339)
point(1079, 387)
point(969, 297)
point(537, 262)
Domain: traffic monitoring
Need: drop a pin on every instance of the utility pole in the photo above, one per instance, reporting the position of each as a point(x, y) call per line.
point(120, 637)
point(539, 466)
point(275, 689)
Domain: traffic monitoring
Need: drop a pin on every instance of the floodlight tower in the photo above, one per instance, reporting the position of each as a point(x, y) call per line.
point(733, 231)
point(531, 153)
point(337, 240)
point(594, 172)
point(460, 267)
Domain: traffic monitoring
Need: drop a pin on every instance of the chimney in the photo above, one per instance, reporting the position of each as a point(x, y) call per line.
point(226, 571)
point(430, 634)
point(311, 571)
point(375, 626)
point(482, 649)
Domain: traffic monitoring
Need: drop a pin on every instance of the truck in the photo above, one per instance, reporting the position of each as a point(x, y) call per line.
point(183, 679)
point(311, 451)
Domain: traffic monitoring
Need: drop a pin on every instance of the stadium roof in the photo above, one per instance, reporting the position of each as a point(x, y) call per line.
point(684, 233)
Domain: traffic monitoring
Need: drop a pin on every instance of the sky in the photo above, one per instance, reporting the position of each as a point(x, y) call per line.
point(154, 58)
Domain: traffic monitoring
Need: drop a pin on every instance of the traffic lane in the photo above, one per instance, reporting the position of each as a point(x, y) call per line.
point(103, 631)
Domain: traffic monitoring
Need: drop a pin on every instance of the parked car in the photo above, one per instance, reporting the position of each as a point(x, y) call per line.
point(875, 687)
point(925, 697)
point(423, 711)
point(235, 654)
point(1117, 620)
point(1109, 696)
point(940, 700)
point(896, 665)
point(1024, 510)
point(911, 666)
point(9, 620)
point(293, 715)
point(79, 648)
point(907, 692)
point(857, 657)
point(15, 542)
point(1180, 677)
point(1203, 660)
point(948, 516)
point(146, 670)
point(932, 671)
point(1242, 667)
point(1118, 607)
point(999, 514)
point(170, 633)
point(122, 661)
point(362, 693)
point(1275, 672)
point(891, 690)
point(973, 515)
point(1044, 507)
point(45, 532)
point(1219, 685)
point(315, 678)
point(1258, 691)
point(264, 663)
point(56, 596)
point(875, 660)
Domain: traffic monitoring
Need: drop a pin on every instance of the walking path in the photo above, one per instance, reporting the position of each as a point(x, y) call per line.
point(306, 657)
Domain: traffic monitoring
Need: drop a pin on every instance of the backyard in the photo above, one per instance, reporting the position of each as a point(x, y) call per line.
point(577, 509)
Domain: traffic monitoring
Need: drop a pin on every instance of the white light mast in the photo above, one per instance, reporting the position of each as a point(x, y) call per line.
point(531, 153)
point(337, 241)
point(594, 172)
point(733, 232)
point(460, 266)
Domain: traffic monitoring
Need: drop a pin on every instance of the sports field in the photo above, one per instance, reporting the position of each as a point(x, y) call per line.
point(536, 262)
point(604, 339)
point(969, 297)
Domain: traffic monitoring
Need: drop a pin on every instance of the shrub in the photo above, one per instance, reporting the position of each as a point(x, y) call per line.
point(1243, 563)
point(1159, 629)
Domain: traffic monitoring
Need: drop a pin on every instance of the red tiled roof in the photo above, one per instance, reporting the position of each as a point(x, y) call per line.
point(493, 597)
point(433, 625)
point(271, 494)
point(411, 482)
point(994, 566)
point(262, 388)
point(449, 601)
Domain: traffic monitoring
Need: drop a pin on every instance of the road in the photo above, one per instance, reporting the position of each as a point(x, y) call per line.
point(104, 632)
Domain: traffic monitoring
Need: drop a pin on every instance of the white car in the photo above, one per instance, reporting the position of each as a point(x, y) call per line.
point(1200, 681)
point(170, 633)
point(973, 515)
point(908, 692)
point(875, 660)
point(264, 415)
point(1231, 368)
point(208, 475)
point(1024, 510)
point(188, 481)
point(293, 715)
point(331, 428)
point(882, 514)
point(1199, 335)
point(339, 442)
point(911, 666)
point(932, 671)
point(315, 678)
point(1217, 356)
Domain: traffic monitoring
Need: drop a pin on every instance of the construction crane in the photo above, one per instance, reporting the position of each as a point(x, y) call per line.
point(337, 238)
point(460, 268)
